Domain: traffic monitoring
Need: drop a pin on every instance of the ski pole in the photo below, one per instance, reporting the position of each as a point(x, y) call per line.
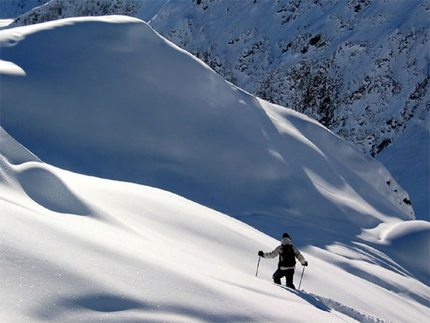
point(301, 277)
point(258, 265)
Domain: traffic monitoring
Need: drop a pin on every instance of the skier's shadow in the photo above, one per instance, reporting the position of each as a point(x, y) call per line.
point(311, 299)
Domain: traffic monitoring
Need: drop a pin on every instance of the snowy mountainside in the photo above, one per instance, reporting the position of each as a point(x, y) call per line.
point(15, 8)
point(78, 248)
point(355, 66)
point(125, 95)
point(57, 9)
point(359, 67)
point(109, 97)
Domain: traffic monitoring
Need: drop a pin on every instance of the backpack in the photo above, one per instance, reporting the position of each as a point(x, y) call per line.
point(287, 258)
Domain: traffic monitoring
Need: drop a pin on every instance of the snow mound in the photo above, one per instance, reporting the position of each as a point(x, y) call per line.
point(10, 68)
point(24, 171)
point(46, 189)
point(409, 244)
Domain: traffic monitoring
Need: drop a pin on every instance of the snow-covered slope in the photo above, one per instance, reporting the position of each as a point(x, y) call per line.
point(83, 249)
point(359, 67)
point(30, 12)
point(109, 97)
point(355, 66)
point(99, 94)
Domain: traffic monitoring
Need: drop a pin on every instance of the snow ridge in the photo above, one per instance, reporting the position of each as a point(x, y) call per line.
point(359, 67)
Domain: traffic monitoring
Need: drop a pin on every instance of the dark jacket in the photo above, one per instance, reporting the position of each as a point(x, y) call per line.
point(297, 254)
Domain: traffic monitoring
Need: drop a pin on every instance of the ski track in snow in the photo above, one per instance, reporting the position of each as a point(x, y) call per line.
point(344, 309)
point(330, 305)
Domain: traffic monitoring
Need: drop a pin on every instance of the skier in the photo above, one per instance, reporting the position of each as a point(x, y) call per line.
point(287, 254)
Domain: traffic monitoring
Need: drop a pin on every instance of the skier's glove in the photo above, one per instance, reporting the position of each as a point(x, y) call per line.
point(261, 253)
point(305, 263)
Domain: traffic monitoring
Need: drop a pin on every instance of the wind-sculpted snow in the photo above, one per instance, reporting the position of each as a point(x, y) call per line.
point(147, 255)
point(405, 239)
point(110, 98)
point(54, 196)
point(24, 171)
point(101, 93)
point(359, 67)
point(10, 68)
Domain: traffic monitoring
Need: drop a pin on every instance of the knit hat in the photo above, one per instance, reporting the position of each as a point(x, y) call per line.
point(286, 235)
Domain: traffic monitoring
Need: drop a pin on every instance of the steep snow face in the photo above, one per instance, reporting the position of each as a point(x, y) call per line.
point(355, 66)
point(101, 93)
point(408, 160)
point(359, 67)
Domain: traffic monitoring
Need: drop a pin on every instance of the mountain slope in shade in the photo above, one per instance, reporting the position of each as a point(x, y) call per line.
point(101, 93)
point(359, 67)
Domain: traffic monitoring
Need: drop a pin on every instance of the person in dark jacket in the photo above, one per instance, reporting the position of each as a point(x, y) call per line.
point(287, 260)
